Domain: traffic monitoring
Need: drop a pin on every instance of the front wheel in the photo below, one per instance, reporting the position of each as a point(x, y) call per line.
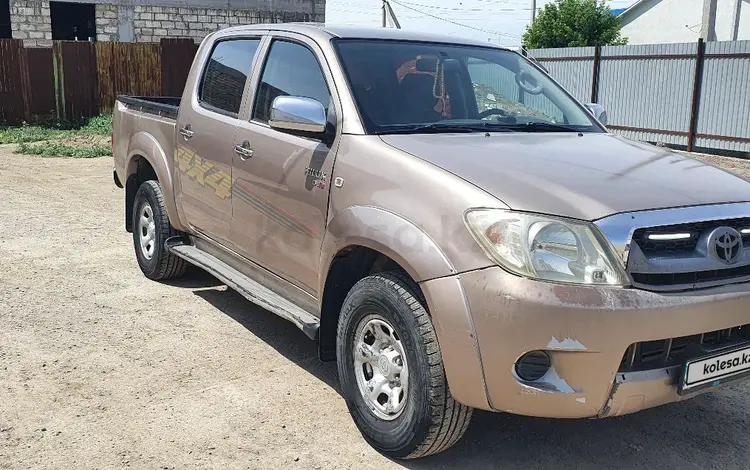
point(391, 370)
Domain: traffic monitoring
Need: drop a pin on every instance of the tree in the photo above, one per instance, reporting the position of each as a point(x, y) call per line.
point(574, 23)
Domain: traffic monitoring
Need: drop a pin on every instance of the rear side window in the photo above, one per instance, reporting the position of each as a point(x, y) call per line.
point(291, 70)
point(226, 73)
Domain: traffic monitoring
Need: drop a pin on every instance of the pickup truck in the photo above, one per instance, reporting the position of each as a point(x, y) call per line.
point(446, 221)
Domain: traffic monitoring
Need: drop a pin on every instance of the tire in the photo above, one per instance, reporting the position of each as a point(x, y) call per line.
point(155, 261)
point(430, 420)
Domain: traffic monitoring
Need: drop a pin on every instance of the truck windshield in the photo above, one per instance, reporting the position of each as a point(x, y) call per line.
point(415, 87)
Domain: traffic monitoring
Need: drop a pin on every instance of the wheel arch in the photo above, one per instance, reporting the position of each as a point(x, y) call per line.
point(147, 160)
point(363, 240)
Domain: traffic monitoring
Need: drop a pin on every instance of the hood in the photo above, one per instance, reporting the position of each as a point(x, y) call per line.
point(586, 176)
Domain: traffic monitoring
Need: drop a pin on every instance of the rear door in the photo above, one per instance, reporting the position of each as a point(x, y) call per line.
point(280, 193)
point(206, 127)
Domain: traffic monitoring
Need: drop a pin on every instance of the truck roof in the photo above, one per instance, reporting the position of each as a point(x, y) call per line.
point(324, 31)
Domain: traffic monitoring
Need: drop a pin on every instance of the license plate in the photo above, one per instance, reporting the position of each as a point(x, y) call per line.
point(715, 369)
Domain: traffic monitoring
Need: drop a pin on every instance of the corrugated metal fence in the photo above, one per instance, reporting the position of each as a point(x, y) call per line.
point(75, 80)
point(695, 95)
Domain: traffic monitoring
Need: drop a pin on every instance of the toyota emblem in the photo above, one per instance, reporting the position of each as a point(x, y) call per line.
point(725, 244)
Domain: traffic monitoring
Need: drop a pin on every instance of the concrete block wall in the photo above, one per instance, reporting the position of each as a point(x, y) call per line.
point(107, 22)
point(152, 23)
point(30, 21)
point(134, 21)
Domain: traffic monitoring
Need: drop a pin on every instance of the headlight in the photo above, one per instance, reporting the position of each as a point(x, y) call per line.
point(548, 248)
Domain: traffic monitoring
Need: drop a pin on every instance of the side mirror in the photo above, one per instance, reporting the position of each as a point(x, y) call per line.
point(299, 115)
point(598, 111)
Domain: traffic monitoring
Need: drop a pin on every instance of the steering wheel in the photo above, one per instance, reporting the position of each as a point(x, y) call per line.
point(492, 111)
point(528, 83)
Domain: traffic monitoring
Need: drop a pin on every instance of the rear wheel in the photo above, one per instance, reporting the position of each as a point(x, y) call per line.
point(391, 370)
point(151, 228)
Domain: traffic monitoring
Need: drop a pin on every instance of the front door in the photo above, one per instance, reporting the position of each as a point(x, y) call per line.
point(280, 192)
point(206, 127)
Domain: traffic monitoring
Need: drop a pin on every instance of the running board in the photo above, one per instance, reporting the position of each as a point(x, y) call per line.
point(250, 289)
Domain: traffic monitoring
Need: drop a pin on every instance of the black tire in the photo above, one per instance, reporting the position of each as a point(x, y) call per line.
point(161, 265)
point(431, 420)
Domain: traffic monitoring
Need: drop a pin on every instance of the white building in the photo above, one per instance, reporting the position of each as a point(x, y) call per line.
point(670, 21)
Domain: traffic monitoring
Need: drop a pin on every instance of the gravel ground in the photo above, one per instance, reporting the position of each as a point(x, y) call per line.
point(735, 165)
point(101, 368)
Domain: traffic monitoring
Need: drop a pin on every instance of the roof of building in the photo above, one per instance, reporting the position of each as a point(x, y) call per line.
point(319, 30)
point(635, 10)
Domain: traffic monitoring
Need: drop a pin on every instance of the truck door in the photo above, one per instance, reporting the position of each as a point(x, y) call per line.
point(281, 182)
point(206, 125)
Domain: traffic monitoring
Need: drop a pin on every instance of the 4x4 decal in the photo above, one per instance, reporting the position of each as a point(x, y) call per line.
point(204, 173)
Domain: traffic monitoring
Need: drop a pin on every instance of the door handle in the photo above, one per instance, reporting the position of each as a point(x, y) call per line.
point(187, 132)
point(244, 150)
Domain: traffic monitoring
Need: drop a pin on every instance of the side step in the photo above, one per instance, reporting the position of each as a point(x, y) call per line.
point(250, 289)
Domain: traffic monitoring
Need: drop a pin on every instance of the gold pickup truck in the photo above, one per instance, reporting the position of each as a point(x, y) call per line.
point(446, 221)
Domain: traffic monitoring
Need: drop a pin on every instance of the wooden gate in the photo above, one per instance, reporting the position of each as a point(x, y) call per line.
point(76, 81)
point(11, 84)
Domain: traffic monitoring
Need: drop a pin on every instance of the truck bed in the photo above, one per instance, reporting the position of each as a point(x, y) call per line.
point(163, 106)
point(138, 122)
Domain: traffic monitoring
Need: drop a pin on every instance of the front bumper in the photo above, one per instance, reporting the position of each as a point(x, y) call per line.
point(497, 317)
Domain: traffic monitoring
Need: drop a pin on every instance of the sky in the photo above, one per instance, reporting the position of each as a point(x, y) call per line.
point(497, 21)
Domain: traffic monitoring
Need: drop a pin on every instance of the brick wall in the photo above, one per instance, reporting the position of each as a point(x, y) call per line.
point(30, 20)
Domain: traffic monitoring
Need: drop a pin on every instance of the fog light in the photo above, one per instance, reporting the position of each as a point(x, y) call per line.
point(532, 365)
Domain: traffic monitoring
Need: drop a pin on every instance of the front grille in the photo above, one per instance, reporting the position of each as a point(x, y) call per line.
point(673, 351)
point(666, 247)
point(683, 264)
point(671, 279)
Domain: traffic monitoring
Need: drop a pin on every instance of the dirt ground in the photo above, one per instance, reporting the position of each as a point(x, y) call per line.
point(101, 368)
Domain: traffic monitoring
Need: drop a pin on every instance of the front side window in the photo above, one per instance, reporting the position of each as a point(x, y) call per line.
point(225, 75)
point(402, 86)
point(291, 70)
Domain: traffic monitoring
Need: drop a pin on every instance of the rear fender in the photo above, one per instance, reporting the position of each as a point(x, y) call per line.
point(144, 145)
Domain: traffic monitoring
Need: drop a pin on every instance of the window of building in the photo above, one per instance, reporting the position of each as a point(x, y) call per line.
point(224, 79)
point(73, 21)
point(291, 70)
point(5, 32)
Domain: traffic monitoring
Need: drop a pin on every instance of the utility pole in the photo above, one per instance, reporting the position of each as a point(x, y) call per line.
point(735, 27)
point(533, 10)
point(708, 26)
point(385, 22)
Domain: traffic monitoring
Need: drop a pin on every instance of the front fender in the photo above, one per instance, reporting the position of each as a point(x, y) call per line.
point(427, 264)
point(144, 145)
point(388, 233)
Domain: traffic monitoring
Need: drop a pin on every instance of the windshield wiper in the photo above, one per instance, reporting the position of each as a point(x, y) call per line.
point(431, 129)
point(438, 128)
point(541, 127)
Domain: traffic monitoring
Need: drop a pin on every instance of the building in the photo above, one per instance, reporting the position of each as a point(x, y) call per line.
point(672, 21)
point(38, 22)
